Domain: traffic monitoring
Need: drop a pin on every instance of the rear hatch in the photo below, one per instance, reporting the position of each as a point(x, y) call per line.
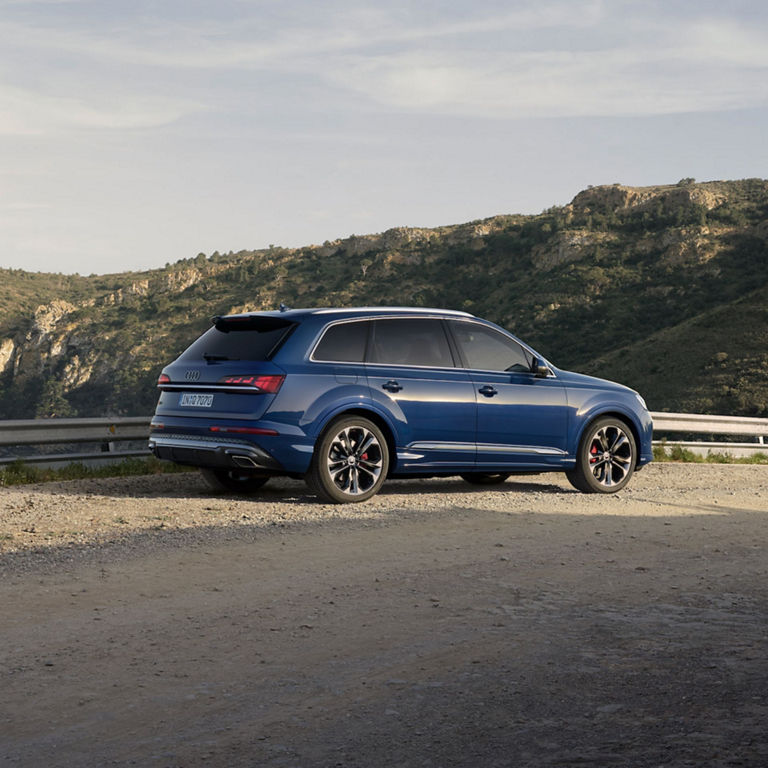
point(228, 372)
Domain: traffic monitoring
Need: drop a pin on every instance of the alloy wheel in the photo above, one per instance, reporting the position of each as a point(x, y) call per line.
point(355, 460)
point(610, 455)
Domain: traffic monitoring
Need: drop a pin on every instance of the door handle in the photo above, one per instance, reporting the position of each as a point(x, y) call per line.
point(488, 391)
point(391, 386)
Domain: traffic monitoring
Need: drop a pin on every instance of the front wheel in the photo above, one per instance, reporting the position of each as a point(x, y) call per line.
point(606, 458)
point(233, 480)
point(350, 461)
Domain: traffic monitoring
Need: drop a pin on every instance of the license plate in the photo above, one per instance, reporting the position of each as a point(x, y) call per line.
point(192, 400)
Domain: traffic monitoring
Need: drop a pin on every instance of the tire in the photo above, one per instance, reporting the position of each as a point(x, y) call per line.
point(485, 478)
point(606, 458)
point(233, 480)
point(350, 461)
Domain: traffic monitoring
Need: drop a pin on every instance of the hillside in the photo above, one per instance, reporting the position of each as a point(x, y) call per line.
point(663, 288)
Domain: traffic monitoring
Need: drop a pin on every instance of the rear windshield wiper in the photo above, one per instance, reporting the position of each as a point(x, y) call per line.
point(215, 358)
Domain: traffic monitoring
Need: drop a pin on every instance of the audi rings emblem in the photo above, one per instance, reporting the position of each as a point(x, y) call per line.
point(192, 375)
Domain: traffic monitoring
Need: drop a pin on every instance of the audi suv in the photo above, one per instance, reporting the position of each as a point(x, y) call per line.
point(346, 398)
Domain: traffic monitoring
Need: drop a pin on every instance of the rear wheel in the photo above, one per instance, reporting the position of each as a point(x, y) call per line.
point(350, 461)
point(485, 478)
point(233, 480)
point(606, 458)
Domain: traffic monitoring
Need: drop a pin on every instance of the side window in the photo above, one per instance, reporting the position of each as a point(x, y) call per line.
point(410, 341)
point(343, 343)
point(488, 350)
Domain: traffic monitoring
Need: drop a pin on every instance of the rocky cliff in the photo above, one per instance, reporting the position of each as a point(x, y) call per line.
point(586, 283)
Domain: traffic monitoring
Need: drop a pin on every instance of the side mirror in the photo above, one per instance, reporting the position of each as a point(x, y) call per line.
point(540, 369)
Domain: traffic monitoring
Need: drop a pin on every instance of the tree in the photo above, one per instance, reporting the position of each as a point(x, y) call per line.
point(53, 403)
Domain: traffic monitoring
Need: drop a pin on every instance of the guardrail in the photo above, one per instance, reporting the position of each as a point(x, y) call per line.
point(703, 424)
point(104, 432)
point(107, 433)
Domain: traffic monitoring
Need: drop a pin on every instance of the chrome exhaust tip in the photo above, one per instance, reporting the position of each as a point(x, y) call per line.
point(246, 462)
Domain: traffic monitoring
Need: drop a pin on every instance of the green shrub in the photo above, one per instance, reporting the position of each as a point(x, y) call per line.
point(678, 453)
point(20, 473)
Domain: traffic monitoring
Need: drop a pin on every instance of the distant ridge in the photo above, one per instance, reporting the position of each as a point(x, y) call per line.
point(664, 288)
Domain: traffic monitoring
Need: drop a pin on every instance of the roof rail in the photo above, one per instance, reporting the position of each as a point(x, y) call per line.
point(425, 310)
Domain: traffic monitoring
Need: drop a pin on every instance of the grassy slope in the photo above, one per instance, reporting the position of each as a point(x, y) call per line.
point(715, 362)
point(666, 296)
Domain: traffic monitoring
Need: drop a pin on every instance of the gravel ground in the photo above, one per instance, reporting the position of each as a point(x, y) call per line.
point(68, 518)
point(148, 621)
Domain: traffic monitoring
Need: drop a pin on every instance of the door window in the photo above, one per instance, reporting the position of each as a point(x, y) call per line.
point(487, 350)
point(410, 341)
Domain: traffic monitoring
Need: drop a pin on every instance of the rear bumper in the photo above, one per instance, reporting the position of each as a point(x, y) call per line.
point(199, 451)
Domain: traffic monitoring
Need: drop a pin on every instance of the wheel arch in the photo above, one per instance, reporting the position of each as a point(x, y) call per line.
point(617, 414)
point(377, 419)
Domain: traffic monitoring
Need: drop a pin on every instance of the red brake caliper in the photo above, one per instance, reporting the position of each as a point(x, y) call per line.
point(593, 451)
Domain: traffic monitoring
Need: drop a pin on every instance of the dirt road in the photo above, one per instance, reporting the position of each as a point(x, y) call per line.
point(148, 622)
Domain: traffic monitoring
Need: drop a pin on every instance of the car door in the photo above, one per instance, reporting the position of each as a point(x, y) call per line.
point(521, 418)
point(412, 373)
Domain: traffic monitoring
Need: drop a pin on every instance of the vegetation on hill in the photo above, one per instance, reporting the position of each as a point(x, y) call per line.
point(663, 288)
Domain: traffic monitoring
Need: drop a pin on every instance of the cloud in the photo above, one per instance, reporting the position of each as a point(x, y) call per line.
point(30, 112)
point(289, 40)
point(296, 29)
point(662, 66)
point(553, 83)
point(546, 59)
point(726, 42)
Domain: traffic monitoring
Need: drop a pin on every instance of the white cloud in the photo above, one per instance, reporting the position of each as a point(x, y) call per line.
point(547, 59)
point(549, 84)
point(30, 112)
point(726, 42)
point(250, 44)
point(703, 66)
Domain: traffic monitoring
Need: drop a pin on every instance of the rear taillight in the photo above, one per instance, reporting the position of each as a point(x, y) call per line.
point(164, 378)
point(244, 430)
point(268, 384)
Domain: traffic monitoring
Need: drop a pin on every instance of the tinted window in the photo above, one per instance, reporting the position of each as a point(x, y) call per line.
point(488, 350)
point(344, 343)
point(246, 339)
point(413, 341)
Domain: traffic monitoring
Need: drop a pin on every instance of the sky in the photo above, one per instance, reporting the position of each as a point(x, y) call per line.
point(137, 133)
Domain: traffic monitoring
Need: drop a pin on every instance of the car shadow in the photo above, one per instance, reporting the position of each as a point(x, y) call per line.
point(449, 486)
point(278, 490)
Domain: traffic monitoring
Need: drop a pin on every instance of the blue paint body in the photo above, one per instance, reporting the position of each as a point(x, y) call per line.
point(438, 422)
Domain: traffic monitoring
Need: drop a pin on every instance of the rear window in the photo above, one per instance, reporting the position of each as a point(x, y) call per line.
point(251, 338)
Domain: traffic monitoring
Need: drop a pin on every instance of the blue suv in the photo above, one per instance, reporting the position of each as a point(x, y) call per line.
point(345, 398)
